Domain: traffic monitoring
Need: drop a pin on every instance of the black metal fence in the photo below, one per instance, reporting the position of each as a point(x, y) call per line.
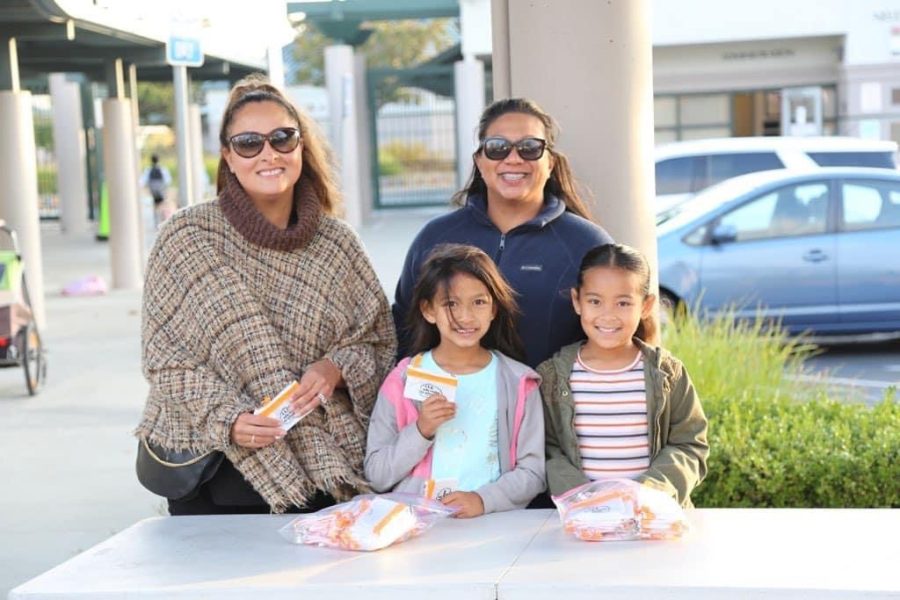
point(414, 134)
point(48, 192)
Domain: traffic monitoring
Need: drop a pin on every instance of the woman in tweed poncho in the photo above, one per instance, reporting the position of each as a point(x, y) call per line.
point(249, 292)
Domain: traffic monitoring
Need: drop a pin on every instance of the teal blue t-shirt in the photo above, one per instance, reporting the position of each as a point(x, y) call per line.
point(465, 448)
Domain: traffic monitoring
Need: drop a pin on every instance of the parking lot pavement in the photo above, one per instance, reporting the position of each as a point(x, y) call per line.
point(67, 471)
point(857, 372)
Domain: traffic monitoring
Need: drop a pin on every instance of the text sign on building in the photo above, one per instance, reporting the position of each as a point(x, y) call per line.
point(184, 51)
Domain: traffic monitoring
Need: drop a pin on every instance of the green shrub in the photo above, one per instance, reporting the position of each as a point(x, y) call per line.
point(776, 441)
point(47, 180)
point(388, 164)
point(211, 164)
point(401, 156)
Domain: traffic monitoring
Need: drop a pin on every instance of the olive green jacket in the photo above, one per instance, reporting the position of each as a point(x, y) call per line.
point(676, 424)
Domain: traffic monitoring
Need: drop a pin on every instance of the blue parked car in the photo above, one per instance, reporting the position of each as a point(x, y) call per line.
point(817, 249)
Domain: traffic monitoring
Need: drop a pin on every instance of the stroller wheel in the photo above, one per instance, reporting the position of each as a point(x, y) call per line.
point(32, 356)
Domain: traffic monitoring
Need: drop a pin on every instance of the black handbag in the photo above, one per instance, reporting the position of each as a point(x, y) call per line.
point(174, 475)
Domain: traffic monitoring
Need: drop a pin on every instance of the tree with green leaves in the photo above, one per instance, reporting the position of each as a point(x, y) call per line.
point(392, 44)
point(156, 101)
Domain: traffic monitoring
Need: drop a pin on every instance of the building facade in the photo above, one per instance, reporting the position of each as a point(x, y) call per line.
point(770, 67)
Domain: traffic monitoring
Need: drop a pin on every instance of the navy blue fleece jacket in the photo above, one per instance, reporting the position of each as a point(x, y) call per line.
point(539, 259)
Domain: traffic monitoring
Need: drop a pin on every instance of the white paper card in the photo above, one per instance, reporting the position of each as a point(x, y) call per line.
point(420, 384)
point(279, 407)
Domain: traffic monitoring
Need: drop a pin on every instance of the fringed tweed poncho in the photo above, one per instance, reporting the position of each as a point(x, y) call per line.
point(234, 309)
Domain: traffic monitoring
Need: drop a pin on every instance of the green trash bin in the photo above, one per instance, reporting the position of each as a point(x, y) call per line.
point(103, 214)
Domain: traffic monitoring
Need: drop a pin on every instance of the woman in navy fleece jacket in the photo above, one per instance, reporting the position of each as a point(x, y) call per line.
point(525, 212)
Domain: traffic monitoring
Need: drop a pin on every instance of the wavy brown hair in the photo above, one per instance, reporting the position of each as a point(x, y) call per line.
point(435, 276)
point(561, 182)
point(626, 258)
point(317, 164)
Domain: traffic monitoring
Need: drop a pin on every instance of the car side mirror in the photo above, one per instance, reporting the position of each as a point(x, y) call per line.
point(724, 234)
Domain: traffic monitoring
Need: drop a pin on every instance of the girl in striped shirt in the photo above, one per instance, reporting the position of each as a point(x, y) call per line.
point(615, 406)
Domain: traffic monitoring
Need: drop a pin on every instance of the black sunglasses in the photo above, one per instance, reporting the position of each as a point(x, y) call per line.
point(498, 148)
point(250, 143)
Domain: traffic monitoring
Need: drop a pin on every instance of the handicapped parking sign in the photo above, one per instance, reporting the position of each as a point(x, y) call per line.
point(184, 51)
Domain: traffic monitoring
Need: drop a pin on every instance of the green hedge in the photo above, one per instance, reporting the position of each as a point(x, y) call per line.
point(775, 441)
point(47, 180)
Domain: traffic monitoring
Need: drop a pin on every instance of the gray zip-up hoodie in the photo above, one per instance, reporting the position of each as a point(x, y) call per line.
point(398, 457)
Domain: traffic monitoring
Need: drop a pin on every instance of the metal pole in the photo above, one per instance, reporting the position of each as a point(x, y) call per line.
point(182, 136)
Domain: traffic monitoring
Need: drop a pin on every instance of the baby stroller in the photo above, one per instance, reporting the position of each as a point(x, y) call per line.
point(20, 341)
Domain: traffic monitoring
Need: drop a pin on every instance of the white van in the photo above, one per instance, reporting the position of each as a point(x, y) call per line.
point(685, 168)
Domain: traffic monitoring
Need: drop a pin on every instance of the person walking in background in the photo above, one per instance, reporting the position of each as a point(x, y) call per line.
point(521, 207)
point(252, 291)
point(614, 405)
point(157, 179)
point(484, 451)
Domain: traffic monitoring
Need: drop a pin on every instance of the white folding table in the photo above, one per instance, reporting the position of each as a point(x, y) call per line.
point(519, 555)
point(729, 553)
point(243, 557)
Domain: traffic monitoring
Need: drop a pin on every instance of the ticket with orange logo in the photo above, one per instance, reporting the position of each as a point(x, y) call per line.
point(279, 407)
point(420, 384)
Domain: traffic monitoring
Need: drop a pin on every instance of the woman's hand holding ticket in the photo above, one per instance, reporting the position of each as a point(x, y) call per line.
point(436, 409)
point(255, 431)
point(316, 384)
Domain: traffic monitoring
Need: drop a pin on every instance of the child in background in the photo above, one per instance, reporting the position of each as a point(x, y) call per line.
point(615, 407)
point(486, 449)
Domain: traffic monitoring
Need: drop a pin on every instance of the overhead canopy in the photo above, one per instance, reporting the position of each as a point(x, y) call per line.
point(49, 40)
point(342, 20)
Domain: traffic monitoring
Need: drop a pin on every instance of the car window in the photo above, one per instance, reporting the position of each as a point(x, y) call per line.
point(870, 205)
point(726, 166)
point(881, 160)
point(788, 211)
point(675, 175)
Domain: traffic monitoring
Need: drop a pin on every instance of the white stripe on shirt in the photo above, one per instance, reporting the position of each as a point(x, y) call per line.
point(611, 420)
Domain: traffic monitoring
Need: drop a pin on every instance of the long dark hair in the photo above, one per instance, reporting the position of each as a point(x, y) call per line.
point(561, 182)
point(316, 155)
point(626, 258)
point(445, 261)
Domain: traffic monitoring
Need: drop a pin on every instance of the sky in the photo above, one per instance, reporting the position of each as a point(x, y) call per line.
point(234, 29)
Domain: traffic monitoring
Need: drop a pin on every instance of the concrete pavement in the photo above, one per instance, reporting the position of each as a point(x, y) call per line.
point(67, 470)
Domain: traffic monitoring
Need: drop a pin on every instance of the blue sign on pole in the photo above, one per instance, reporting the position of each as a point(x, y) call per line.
point(184, 51)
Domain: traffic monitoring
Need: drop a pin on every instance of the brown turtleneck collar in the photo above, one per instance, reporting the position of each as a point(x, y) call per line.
point(240, 211)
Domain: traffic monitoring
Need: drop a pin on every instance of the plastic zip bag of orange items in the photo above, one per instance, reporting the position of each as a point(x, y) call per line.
point(620, 509)
point(368, 522)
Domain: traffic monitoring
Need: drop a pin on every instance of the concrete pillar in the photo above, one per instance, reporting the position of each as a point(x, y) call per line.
point(71, 158)
point(9, 64)
point(115, 78)
point(118, 161)
point(468, 81)
point(138, 169)
point(19, 191)
point(182, 136)
point(364, 139)
point(603, 103)
point(198, 171)
point(275, 62)
point(338, 61)
point(341, 83)
point(500, 49)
